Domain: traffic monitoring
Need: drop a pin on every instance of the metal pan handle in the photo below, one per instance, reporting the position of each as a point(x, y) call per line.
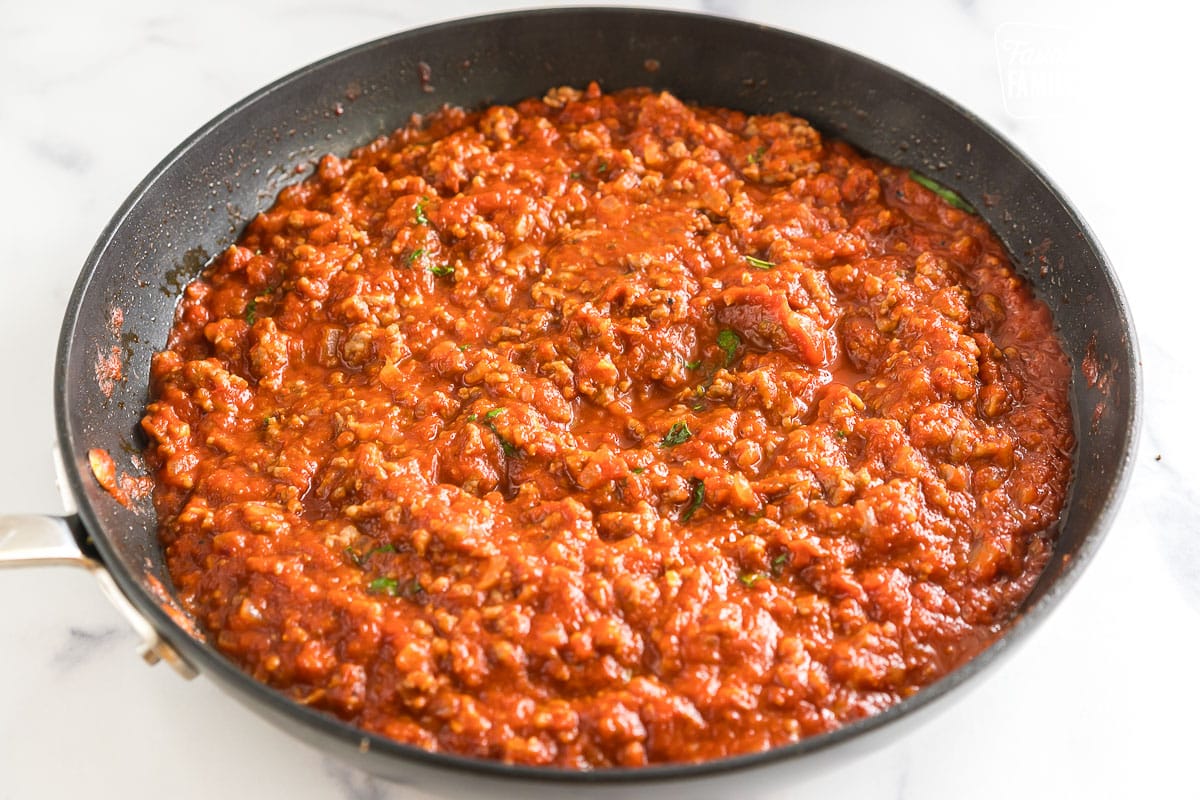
point(34, 540)
point(37, 540)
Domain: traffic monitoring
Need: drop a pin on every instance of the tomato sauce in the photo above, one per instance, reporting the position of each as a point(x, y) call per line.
point(604, 430)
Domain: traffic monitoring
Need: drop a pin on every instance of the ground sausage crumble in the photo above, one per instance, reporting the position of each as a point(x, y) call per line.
point(605, 430)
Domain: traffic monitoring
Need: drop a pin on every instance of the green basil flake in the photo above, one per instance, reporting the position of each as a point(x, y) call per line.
point(637, 470)
point(692, 364)
point(757, 155)
point(841, 434)
point(354, 556)
point(383, 548)
point(508, 447)
point(678, 434)
point(697, 500)
point(729, 342)
point(415, 254)
point(388, 586)
point(748, 579)
point(603, 167)
point(942, 192)
point(419, 216)
point(576, 176)
point(472, 417)
point(759, 263)
point(251, 311)
point(441, 270)
point(781, 559)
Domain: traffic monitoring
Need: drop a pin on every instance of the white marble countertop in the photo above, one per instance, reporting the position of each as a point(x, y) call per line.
point(1100, 702)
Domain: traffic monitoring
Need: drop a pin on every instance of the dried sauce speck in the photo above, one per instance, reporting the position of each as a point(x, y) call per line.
point(425, 76)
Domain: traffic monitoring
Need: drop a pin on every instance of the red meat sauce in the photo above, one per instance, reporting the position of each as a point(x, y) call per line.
point(605, 430)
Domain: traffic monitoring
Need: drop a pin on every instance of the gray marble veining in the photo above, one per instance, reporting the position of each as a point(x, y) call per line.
point(82, 645)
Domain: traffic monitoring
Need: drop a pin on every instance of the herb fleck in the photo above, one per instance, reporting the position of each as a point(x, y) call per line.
point(637, 470)
point(472, 417)
point(508, 447)
point(415, 254)
point(251, 311)
point(419, 214)
point(729, 342)
point(748, 579)
point(441, 270)
point(942, 192)
point(388, 586)
point(759, 263)
point(678, 434)
point(693, 364)
point(576, 176)
point(841, 434)
point(697, 500)
point(360, 559)
point(603, 167)
point(778, 563)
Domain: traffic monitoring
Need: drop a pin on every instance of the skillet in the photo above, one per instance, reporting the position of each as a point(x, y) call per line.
point(196, 201)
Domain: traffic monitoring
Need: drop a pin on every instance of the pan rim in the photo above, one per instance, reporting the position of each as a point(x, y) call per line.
point(217, 666)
